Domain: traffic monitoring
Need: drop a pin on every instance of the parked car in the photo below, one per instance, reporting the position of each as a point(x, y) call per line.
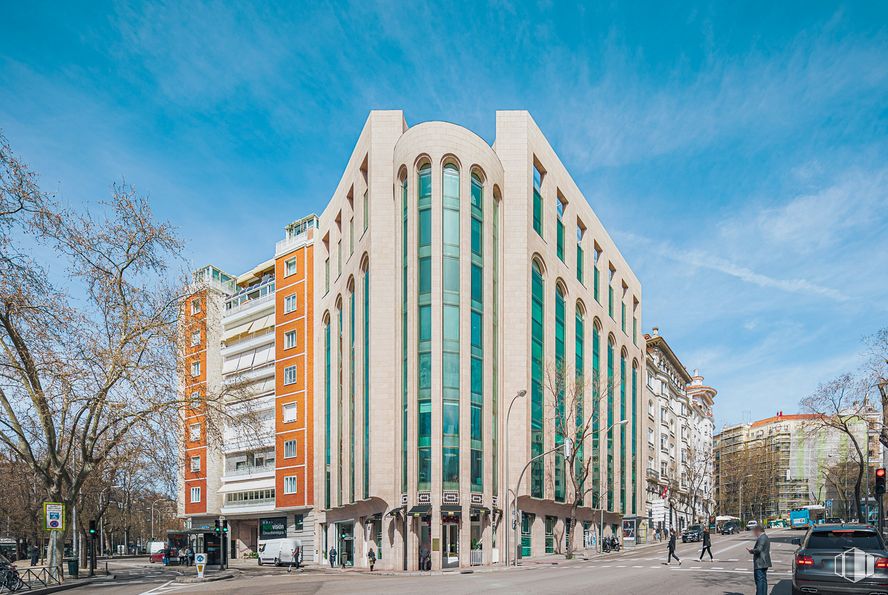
point(825, 562)
point(777, 524)
point(833, 520)
point(157, 557)
point(692, 533)
point(751, 525)
point(730, 528)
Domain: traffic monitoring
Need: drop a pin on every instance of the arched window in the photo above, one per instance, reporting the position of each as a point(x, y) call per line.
point(365, 374)
point(450, 356)
point(477, 339)
point(579, 387)
point(561, 379)
point(351, 390)
point(536, 378)
point(634, 433)
point(424, 340)
point(327, 412)
point(404, 350)
point(623, 476)
point(339, 393)
point(610, 422)
point(597, 476)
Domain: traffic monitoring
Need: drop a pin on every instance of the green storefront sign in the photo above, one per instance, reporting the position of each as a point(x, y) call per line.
point(273, 527)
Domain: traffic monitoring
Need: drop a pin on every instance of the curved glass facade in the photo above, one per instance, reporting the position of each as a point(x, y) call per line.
point(366, 388)
point(328, 414)
point(404, 392)
point(351, 394)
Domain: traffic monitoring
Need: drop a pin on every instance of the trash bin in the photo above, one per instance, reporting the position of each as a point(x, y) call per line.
point(73, 567)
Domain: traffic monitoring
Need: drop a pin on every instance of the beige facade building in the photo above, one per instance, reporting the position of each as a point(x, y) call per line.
point(679, 426)
point(453, 274)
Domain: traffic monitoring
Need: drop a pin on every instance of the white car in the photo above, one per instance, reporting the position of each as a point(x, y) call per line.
point(751, 525)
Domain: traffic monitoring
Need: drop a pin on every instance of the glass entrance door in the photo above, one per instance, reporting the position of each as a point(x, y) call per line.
point(450, 549)
point(526, 527)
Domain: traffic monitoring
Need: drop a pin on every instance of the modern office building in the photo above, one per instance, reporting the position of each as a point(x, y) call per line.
point(248, 373)
point(452, 275)
point(679, 426)
point(766, 468)
point(453, 280)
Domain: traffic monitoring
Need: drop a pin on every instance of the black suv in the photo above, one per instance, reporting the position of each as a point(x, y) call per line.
point(730, 528)
point(692, 533)
point(848, 558)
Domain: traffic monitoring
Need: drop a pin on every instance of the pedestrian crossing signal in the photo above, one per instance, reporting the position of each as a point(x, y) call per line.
point(880, 481)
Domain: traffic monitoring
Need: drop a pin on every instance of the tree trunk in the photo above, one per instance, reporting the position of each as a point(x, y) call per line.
point(857, 505)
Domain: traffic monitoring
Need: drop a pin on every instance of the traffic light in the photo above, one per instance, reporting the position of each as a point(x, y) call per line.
point(92, 528)
point(216, 528)
point(880, 481)
point(225, 526)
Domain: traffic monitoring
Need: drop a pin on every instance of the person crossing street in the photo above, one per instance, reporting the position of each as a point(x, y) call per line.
point(671, 548)
point(707, 545)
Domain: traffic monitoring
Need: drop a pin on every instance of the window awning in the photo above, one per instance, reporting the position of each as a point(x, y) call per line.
point(420, 509)
point(478, 508)
point(245, 486)
point(451, 508)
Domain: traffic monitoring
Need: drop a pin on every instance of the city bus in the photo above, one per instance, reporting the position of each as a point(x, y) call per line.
point(805, 516)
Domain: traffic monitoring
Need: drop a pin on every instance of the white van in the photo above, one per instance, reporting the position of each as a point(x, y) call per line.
point(279, 551)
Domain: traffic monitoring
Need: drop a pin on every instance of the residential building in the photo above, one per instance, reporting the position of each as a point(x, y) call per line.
point(679, 426)
point(766, 468)
point(249, 435)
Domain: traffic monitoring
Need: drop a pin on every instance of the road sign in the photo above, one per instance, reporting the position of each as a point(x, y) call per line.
point(53, 516)
point(200, 562)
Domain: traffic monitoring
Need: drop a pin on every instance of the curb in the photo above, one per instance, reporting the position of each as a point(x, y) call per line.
point(72, 584)
point(206, 579)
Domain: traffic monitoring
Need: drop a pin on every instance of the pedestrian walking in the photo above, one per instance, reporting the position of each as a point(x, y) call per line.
point(35, 555)
point(761, 559)
point(707, 545)
point(332, 557)
point(671, 548)
point(371, 558)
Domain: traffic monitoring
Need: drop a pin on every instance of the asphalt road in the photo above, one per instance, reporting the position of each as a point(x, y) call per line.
point(629, 572)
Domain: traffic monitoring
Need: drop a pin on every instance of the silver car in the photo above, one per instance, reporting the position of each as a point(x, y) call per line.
point(840, 559)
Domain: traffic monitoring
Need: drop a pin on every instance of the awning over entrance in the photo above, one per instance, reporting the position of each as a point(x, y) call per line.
point(479, 509)
point(420, 509)
point(451, 509)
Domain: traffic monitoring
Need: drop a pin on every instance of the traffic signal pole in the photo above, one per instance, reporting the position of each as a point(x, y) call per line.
point(880, 492)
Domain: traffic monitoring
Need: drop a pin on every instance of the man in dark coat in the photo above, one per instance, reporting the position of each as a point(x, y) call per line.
point(671, 548)
point(707, 545)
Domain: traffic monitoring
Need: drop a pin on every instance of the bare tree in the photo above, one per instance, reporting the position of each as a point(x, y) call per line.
point(841, 405)
point(877, 374)
point(573, 415)
point(89, 342)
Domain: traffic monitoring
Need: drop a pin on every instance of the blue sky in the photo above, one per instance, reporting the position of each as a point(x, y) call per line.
point(737, 152)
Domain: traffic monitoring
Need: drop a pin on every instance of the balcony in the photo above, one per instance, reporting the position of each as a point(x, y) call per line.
point(250, 296)
point(248, 471)
point(652, 474)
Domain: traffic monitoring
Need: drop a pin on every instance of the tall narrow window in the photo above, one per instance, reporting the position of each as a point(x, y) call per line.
point(537, 201)
point(424, 343)
point(494, 397)
point(560, 379)
point(610, 423)
point(351, 236)
point(365, 389)
point(610, 293)
point(596, 415)
point(623, 476)
point(580, 392)
point(326, 275)
point(559, 235)
point(404, 350)
point(450, 356)
point(634, 433)
point(366, 210)
point(580, 262)
point(328, 414)
point(477, 339)
point(536, 379)
point(596, 282)
point(351, 394)
point(338, 258)
point(339, 392)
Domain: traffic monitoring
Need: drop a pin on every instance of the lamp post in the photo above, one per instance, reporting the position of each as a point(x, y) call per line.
point(518, 395)
point(152, 515)
point(602, 491)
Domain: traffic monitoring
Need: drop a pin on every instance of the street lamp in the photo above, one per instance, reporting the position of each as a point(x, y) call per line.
point(152, 515)
point(518, 395)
